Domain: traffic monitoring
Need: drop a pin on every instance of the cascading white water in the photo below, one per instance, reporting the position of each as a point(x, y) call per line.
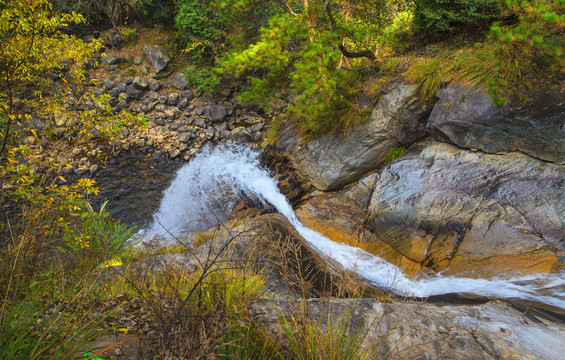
point(217, 174)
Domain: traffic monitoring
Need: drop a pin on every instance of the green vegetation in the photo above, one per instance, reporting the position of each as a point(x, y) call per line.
point(440, 16)
point(332, 338)
point(394, 153)
point(318, 55)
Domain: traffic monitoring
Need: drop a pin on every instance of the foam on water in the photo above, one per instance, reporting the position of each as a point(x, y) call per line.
point(200, 196)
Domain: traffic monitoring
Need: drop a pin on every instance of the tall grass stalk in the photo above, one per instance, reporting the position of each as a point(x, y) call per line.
point(337, 337)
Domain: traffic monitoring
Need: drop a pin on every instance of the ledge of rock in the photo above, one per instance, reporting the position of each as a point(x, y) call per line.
point(420, 330)
point(469, 119)
point(332, 160)
point(452, 210)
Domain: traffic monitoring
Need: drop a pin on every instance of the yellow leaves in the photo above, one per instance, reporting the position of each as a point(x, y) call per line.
point(86, 185)
point(113, 262)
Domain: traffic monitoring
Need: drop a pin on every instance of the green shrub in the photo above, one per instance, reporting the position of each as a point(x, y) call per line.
point(100, 237)
point(289, 54)
point(394, 153)
point(197, 20)
point(396, 36)
point(528, 50)
point(204, 79)
point(449, 15)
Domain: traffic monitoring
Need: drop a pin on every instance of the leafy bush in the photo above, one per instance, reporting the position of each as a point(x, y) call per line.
point(101, 238)
point(396, 36)
point(197, 20)
point(449, 15)
point(204, 79)
point(528, 49)
point(289, 54)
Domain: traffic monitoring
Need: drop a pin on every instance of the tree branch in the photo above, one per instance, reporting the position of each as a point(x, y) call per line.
point(354, 55)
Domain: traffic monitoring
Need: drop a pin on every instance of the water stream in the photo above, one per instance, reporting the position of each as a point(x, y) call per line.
point(206, 189)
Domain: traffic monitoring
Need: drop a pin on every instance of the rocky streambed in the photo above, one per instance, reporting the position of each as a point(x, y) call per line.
point(454, 186)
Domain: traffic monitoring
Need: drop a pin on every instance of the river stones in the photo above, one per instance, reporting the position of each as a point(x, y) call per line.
point(140, 83)
point(179, 81)
point(469, 119)
point(112, 59)
point(334, 160)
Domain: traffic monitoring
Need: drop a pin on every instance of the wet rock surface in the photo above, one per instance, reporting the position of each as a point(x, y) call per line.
point(452, 210)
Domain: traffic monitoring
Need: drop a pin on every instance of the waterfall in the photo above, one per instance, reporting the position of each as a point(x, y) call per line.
point(206, 189)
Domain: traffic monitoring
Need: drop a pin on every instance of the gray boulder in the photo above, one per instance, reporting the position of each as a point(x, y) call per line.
point(215, 113)
point(188, 95)
point(469, 119)
point(140, 83)
point(115, 92)
point(157, 56)
point(240, 134)
point(172, 99)
point(183, 102)
point(112, 59)
point(184, 137)
point(179, 81)
point(334, 160)
point(109, 84)
point(133, 92)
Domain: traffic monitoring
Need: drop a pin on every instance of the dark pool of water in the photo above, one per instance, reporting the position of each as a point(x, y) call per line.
point(133, 183)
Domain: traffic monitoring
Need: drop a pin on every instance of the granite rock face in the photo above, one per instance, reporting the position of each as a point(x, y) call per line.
point(334, 160)
point(448, 208)
point(469, 119)
point(442, 208)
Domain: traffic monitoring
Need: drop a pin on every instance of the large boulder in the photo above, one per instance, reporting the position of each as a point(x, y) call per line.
point(469, 119)
point(157, 56)
point(179, 81)
point(448, 208)
point(140, 83)
point(216, 113)
point(334, 160)
point(442, 208)
point(112, 59)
